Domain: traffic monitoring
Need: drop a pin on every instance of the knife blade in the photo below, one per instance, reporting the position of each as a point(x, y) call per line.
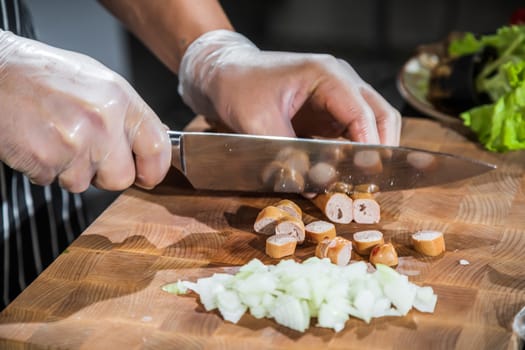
point(240, 162)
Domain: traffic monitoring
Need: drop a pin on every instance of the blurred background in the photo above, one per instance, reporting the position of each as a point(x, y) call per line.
point(375, 36)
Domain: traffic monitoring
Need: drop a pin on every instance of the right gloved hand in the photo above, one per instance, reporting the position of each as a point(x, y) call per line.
point(66, 115)
point(226, 78)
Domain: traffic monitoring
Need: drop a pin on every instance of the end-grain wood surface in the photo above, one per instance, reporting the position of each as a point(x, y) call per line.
point(104, 291)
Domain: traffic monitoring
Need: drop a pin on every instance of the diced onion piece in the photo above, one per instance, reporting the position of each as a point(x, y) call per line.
point(332, 315)
point(354, 271)
point(179, 287)
point(230, 306)
point(364, 302)
point(396, 288)
point(464, 262)
point(298, 288)
point(256, 283)
point(208, 288)
point(291, 312)
point(254, 266)
point(425, 300)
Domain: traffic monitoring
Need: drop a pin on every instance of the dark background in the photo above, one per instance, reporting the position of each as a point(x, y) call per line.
point(375, 36)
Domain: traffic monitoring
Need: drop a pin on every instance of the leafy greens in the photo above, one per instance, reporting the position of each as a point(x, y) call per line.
point(500, 126)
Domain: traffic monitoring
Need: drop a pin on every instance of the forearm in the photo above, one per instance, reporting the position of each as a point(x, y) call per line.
point(168, 27)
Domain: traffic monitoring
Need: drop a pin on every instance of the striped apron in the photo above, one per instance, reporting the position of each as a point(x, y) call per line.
point(37, 222)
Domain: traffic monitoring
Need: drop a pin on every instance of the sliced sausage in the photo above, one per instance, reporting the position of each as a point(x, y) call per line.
point(317, 231)
point(337, 207)
point(365, 209)
point(428, 242)
point(338, 250)
point(365, 241)
point(278, 246)
point(290, 207)
point(384, 254)
point(267, 220)
point(291, 226)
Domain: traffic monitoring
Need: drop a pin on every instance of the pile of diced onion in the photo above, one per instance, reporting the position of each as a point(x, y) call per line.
point(292, 293)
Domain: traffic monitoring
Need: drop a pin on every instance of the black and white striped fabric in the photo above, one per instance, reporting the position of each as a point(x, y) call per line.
point(37, 223)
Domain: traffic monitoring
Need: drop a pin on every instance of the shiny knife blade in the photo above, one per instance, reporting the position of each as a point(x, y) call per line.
point(238, 162)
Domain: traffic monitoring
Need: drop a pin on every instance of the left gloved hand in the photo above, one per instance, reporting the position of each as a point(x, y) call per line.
point(65, 116)
point(227, 78)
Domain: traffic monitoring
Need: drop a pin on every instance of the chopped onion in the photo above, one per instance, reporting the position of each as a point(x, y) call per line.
point(425, 300)
point(178, 287)
point(332, 315)
point(230, 306)
point(291, 312)
point(292, 293)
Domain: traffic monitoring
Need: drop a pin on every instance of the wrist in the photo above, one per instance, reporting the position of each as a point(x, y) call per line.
point(210, 45)
point(6, 39)
point(200, 63)
point(8, 46)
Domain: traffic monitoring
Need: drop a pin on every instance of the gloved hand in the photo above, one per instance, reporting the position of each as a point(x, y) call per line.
point(66, 115)
point(227, 78)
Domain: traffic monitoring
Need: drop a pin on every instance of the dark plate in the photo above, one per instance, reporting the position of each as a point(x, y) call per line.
point(412, 83)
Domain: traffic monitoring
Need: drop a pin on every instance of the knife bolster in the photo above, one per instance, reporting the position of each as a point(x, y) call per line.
point(176, 158)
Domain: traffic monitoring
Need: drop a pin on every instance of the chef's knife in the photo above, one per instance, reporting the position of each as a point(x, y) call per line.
point(238, 162)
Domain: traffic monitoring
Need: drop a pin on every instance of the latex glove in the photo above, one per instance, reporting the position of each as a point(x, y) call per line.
point(65, 115)
point(226, 77)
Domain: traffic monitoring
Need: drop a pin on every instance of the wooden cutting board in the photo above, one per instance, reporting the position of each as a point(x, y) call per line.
point(104, 291)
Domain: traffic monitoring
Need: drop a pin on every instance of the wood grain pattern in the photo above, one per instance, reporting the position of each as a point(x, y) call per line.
point(105, 290)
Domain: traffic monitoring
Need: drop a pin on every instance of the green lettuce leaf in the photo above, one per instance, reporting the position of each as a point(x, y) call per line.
point(500, 127)
point(506, 37)
point(508, 77)
point(515, 73)
point(501, 40)
point(466, 45)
